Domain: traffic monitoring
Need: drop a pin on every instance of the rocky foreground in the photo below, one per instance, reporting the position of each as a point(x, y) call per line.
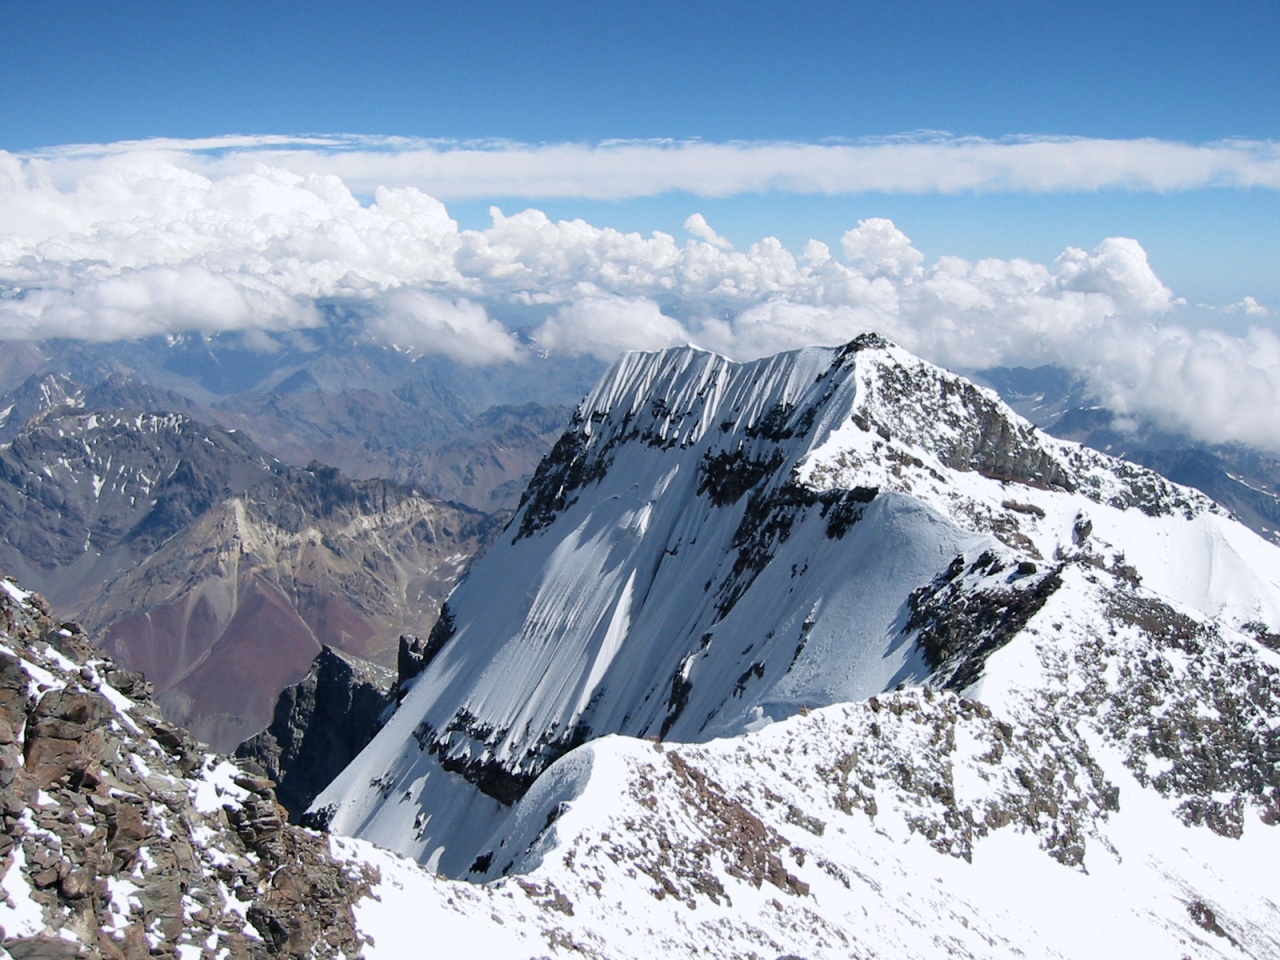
point(121, 838)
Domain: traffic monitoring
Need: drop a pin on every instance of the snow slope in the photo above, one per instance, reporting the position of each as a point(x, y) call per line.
point(771, 845)
point(713, 547)
point(1117, 798)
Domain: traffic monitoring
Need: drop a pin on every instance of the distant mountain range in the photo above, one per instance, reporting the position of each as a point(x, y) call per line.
point(216, 509)
point(455, 433)
point(200, 559)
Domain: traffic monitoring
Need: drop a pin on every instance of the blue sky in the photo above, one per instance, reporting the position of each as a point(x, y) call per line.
point(590, 71)
point(1197, 72)
point(988, 182)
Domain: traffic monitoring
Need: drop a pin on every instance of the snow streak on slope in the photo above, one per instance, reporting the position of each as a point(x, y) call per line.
point(714, 546)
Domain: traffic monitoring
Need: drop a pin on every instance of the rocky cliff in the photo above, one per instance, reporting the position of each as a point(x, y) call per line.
point(319, 725)
point(121, 839)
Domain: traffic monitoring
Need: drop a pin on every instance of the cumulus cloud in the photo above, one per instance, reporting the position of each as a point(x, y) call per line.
point(1216, 387)
point(697, 225)
point(151, 300)
point(882, 250)
point(426, 323)
point(156, 237)
point(1250, 307)
point(605, 326)
point(1119, 269)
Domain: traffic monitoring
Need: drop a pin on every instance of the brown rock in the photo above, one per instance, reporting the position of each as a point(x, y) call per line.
point(77, 884)
point(44, 948)
point(50, 759)
point(125, 833)
point(61, 735)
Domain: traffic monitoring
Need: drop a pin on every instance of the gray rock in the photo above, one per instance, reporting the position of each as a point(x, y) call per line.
point(320, 725)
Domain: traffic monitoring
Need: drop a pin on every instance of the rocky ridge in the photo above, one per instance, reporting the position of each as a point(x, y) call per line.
point(121, 838)
point(1243, 479)
point(911, 824)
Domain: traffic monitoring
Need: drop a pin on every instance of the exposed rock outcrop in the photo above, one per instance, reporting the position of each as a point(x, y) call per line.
point(320, 724)
point(121, 839)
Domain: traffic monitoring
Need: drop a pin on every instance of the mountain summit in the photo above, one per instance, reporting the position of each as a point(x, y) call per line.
point(713, 547)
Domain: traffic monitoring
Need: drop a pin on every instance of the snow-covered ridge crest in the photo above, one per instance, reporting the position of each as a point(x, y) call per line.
point(713, 546)
point(868, 414)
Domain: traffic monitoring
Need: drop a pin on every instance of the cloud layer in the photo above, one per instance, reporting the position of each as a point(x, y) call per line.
point(615, 170)
point(132, 240)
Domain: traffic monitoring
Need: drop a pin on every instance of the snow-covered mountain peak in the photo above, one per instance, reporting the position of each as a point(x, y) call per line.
point(867, 416)
point(714, 546)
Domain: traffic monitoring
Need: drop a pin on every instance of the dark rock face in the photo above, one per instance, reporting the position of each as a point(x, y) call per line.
point(1245, 480)
point(559, 475)
point(973, 609)
point(411, 656)
point(320, 724)
point(125, 839)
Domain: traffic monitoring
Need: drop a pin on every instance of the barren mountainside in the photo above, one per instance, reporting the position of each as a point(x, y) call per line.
point(215, 568)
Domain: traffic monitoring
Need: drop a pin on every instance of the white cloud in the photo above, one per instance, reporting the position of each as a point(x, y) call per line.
point(1250, 307)
point(778, 325)
point(882, 250)
point(606, 326)
point(131, 240)
point(152, 300)
point(923, 163)
point(1119, 269)
point(426, 323)
point(1216, 387)
point(697, 226)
